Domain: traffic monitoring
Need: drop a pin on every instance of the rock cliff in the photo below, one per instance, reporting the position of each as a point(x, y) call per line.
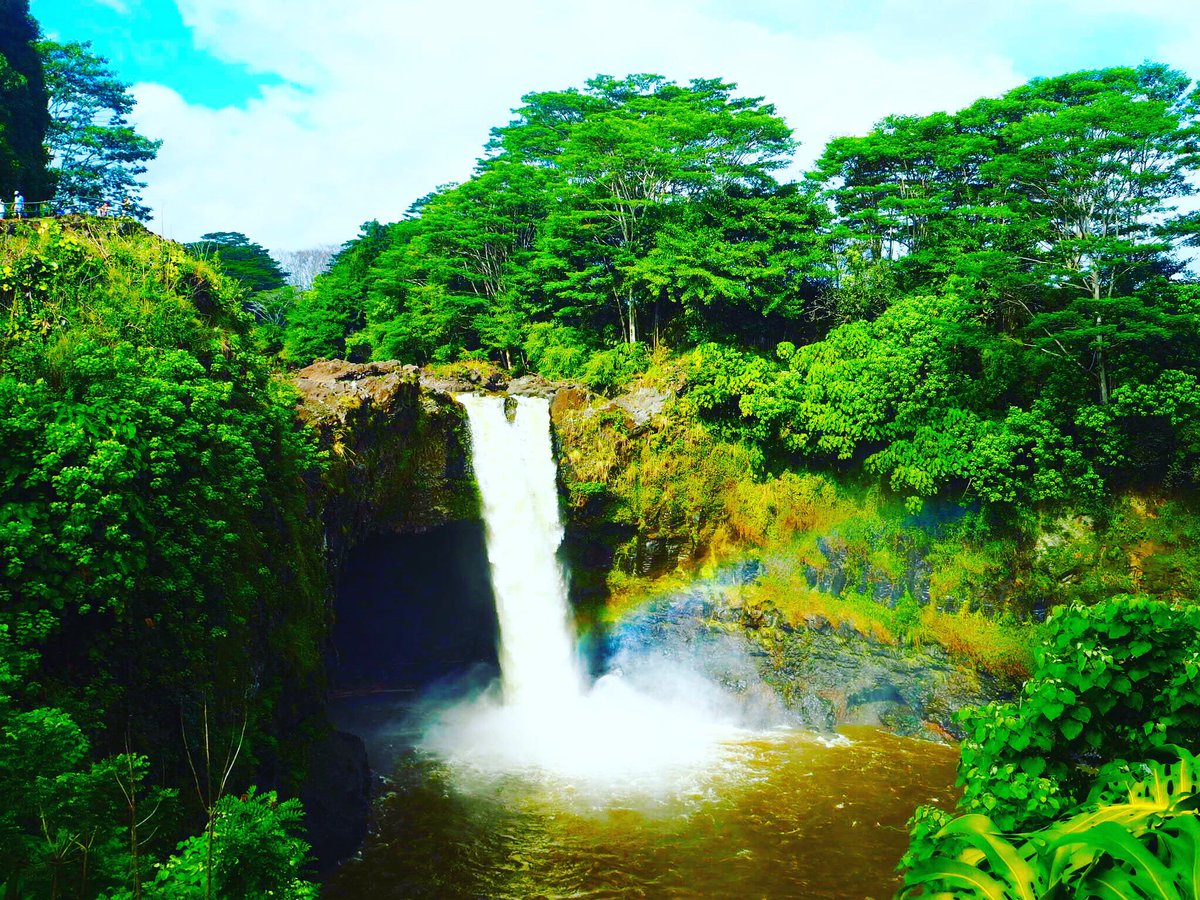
point(399, 450)
point(400, 463)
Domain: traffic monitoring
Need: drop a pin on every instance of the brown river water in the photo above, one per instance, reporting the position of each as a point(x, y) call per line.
point(785, 814)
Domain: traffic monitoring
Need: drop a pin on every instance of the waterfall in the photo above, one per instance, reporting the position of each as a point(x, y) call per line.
point(616, 734)
point(515, 468)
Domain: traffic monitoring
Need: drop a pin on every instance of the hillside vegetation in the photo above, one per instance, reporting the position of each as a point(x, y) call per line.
point(987, 305)
point(161, 579)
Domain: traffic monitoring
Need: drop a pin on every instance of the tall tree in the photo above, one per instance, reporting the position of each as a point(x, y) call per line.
point(739, 264)
point(98, 157)
point(1055, 201)
point(239, 257)
point(479, 239)
point(625, 150)
point(1095, 161)
point(335, 308)
point(24, 118)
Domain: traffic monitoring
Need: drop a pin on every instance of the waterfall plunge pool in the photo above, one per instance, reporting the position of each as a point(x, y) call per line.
point(542, 785)
point(783, 815)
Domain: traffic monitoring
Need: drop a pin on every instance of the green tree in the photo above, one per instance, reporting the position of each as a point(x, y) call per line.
point(336, 307)
point(1056, 201)
point(1092, 166)
point(97, 156)
point(24, 118)
point(456, 278)
point(252, 848)
point(894, 190)
point(241, 259)
point(626, 153)
point(735, 265)
point(151, 466)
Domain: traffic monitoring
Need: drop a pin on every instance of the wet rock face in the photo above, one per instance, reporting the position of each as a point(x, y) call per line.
point(813, 675)
point(840, 574)
point(399, 443)
point(654, 556)
point(466, 381)
point(336, 797)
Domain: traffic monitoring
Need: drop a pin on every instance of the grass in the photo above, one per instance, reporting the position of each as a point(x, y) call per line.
point(1004, 648)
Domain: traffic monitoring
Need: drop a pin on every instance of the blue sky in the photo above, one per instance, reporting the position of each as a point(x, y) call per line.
point(296, 120)
point(146, 40)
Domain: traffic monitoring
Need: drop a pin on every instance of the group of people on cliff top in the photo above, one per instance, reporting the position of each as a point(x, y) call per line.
point(16, 208)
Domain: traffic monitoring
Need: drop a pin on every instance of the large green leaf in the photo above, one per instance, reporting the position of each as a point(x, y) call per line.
point(1006, 861)
point(1179, 842)
point(1151, 875)
point(958, 876)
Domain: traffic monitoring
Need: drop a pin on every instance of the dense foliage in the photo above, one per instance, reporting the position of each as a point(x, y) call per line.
point(1114, 685)
point(158, 563)
point(1143, 845)
point(985, 304)
point(629, 210)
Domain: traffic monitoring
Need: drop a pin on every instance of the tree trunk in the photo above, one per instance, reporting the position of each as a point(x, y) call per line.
point(655, 323)
point(1101, 372)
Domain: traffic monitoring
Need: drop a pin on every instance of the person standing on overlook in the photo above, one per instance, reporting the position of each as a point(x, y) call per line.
point(18, 205)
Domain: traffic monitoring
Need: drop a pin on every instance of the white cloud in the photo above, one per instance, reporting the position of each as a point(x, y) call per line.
point(394, 98)
point(120, 6)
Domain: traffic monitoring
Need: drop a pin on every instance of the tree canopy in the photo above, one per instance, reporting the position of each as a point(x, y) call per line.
point(24, 118)
point(97, 155)
point(623, 211)
point(247, 262)
point(988, 302)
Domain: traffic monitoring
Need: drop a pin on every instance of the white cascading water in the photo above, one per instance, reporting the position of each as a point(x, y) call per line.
point(515, 469)
point(543, 717)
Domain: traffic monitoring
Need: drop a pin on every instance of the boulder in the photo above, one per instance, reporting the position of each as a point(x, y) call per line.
point(533, 386)
point(643, 404)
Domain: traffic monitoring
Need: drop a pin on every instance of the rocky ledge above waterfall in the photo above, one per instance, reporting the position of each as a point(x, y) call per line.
point(399, 450)
point(399, 444)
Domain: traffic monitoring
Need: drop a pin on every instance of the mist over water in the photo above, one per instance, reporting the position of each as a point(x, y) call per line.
point(651, 733)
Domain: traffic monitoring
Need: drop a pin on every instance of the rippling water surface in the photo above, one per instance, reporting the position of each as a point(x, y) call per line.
point(782, 815)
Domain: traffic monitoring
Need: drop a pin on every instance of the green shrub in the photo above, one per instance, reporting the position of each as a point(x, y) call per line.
point(556, 351)
point(252, 849)
point(612, 369)
point(1144, 845)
